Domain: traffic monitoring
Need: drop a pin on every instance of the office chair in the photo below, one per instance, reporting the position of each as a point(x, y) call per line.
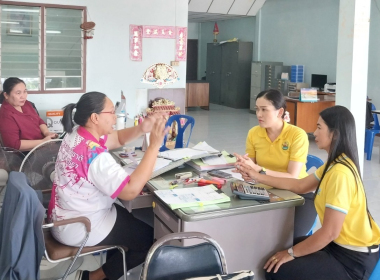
point(370, 134)
point(181, 131)
point(165, 262)
point(53, 250)
point(305, 216)
point(375, 275)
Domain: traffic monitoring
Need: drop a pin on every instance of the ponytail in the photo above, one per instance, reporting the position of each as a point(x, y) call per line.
point(2, 97)
point(67, 119)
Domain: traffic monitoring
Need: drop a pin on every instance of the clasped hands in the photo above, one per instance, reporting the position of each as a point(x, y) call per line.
point(247, 168)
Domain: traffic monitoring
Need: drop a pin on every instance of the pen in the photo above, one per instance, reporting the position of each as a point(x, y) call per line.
point(173, 186)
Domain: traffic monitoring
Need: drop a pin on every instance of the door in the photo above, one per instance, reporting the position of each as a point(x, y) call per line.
point(213, 70)
point(192, 60)
point(229, 75)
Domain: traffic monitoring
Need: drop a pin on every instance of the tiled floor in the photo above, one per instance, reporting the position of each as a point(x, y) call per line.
point(227, 128)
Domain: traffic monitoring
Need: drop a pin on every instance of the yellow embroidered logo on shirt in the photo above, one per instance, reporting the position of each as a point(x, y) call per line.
point(285, 145)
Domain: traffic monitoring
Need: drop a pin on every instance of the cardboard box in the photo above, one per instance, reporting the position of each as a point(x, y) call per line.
point(54, 120)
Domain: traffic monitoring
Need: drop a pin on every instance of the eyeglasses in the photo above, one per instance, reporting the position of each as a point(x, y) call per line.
point(110, 112)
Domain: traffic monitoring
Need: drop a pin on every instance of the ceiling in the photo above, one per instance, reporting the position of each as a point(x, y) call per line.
point(213, 10)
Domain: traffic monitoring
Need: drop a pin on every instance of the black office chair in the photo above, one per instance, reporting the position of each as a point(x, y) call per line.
point(166, 262)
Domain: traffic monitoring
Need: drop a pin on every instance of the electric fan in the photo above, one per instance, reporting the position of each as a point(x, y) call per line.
point(39, 166)
point(10, 160)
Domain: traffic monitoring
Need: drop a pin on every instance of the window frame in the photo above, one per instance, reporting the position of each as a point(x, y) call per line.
point(43, 50)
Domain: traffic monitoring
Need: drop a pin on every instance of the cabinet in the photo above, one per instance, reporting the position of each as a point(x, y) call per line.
point(228, 71)
point(258, 80)
point(197, 94)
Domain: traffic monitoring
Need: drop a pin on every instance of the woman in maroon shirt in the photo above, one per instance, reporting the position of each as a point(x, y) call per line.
point(20, 126)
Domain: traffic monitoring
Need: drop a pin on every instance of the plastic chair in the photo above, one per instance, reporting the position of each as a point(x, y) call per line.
point(181, 130)
point(370, 135)
point(166, 262)
point(54, 251)
point(305, 217)
point(375, 275)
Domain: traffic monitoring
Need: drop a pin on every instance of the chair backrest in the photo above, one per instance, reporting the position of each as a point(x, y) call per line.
point(305, 215)
point(174, 262)
point(375, 119)
point(181, 130)
point(375, 275)
point(313, 161)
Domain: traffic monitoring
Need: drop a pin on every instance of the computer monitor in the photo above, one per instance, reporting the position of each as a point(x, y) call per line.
point(318, 81)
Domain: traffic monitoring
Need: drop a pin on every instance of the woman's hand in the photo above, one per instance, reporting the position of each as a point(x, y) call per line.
point(277, 260)
point(148, 123)
point(247, 171)
point(158, 132)
point(52, 135)
point(245, 159)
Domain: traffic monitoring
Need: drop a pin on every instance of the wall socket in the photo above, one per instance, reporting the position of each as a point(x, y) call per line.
point(174, 63)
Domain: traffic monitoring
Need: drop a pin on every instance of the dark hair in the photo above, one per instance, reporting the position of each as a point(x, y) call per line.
point(341, 124)
point(89, 103)
point(8, 86)
point(275, 97)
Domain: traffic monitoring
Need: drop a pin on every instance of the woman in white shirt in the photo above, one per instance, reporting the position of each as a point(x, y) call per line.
point(88, 180)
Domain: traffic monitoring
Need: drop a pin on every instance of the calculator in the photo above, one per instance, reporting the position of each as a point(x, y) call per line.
point(248, 191)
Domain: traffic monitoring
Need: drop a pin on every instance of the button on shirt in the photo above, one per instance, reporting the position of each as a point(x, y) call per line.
point(16, 126)
point(87, 183)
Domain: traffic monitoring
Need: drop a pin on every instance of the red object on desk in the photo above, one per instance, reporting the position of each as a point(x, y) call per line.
point(203, 182)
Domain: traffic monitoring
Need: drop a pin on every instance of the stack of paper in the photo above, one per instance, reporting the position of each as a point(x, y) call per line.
point(203, 146)
point(188, 197)
point(213, 162)
point(178, 154)
point(160, 163)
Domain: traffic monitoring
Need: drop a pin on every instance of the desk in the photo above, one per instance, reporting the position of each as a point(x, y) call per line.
point(305, 114)
point(248, 231)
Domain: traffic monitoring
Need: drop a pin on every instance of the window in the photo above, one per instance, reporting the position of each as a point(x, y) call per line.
point(43, 45)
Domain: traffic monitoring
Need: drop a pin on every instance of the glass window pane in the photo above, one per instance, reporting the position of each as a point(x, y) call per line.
point(64, 49)
point(20, 44)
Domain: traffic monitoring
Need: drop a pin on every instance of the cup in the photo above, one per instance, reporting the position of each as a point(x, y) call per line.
point(120, 121)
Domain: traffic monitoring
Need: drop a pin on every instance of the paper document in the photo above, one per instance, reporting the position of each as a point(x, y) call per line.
point(188, 197)
point(203, 146)
point(214, 160)
point(236, 175)
point(178, 154)
point(160, 163)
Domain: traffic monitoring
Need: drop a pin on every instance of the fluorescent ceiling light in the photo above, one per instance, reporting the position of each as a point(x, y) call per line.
point(15, 31)
point(21, 10)
point(53, 31)
point(10, 22)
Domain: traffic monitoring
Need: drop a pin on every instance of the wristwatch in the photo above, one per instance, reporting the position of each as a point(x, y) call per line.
point(263, 171)
point(290, 252)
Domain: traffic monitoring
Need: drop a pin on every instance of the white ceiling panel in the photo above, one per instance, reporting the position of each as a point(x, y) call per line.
point(241, 7)
point(220, 6)
point(204, 17)
point(256, 7)
point(199, 5)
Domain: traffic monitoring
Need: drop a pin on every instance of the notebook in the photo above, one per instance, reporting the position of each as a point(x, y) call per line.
point(190, 197)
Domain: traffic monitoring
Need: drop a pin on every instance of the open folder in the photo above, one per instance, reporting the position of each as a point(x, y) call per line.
point(189, 197)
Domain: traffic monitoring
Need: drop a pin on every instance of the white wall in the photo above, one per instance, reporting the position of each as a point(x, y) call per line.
point(109, 68)
point(193, 30)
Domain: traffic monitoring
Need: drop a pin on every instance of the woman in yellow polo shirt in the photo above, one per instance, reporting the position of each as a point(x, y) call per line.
point(346, 246)
point(275, 147)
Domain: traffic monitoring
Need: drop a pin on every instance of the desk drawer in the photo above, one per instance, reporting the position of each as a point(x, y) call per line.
point(161, 230)
point(171, 221)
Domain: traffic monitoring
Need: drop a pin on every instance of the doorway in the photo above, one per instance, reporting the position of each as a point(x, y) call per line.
point(192, 60)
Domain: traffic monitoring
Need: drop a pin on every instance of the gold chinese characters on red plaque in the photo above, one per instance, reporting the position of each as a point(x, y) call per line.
point(181, 43)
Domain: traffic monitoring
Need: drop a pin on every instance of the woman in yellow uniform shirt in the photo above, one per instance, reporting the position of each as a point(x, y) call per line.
point(275, 147)
point(346, 246)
